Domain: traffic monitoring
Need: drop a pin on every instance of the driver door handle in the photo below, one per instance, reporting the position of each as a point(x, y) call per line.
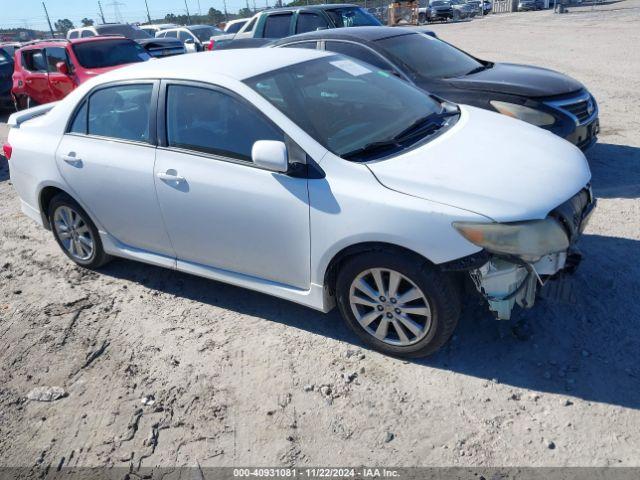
point(170, 177)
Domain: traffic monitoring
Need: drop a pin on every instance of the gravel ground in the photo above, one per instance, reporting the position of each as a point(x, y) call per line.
point(156, 367)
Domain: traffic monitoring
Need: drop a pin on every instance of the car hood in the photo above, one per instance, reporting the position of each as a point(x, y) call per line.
point(522, 80)
point(490, 164)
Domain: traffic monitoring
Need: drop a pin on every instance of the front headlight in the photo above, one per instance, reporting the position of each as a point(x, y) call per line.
point(529, 240)
point(526, 114)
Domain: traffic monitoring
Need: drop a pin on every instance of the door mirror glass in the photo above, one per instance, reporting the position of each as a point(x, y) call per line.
point(270, 155)
point(62, 68)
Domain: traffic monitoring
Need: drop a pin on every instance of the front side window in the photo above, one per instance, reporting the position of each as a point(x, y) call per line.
point(348, 107)
point(55, 55)
point(120, 112)
point(184, 36)
point(87, 34)
point(171, 34)
point(109, 53)
point(310, 22)
point(428, 57)
point(352, 17)
point(214, 122)
point(358, 51)
point(277, 26)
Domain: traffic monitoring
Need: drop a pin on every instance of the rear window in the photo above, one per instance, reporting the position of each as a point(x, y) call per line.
point(235, 27)
point(109, 53)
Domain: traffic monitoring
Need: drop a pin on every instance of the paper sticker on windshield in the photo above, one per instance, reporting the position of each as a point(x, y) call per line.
point(352, 68)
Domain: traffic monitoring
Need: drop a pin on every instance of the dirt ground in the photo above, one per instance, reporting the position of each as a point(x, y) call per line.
point(165, 369)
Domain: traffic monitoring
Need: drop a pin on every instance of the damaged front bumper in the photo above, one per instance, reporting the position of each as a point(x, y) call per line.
point(505, 281)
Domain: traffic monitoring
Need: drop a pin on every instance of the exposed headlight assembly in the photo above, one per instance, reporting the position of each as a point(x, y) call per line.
point(526, 114)
point(528, 240)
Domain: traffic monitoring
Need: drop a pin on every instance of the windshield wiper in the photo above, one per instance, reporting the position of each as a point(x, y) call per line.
point(371, 149)
point(424, 125)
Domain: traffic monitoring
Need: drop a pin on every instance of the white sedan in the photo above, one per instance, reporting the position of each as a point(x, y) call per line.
point(308, 176)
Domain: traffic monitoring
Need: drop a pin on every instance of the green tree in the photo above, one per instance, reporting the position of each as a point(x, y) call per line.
point(87, 22)
point(245, 12)
point(64, 25)
point(215, 16)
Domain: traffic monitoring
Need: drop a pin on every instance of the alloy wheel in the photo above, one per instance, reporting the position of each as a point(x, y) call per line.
point(74, 233)
point(390, 307)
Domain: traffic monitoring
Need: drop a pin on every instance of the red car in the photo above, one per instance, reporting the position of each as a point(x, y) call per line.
point(47, 70)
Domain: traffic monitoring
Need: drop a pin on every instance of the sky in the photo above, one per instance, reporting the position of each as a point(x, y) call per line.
point(30, 13)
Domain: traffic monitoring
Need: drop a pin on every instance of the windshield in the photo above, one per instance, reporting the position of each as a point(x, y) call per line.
point(428, 57)
point(128, 31)
point(438, 4)
point(352, 17)
point(346, 105)
point(109, 53)
point(205, 33)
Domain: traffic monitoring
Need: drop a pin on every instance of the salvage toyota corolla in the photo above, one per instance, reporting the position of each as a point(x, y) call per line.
point(308, 176)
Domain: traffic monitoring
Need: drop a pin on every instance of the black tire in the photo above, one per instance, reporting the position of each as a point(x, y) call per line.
point(422, 18)
point(98, 256)
point(441, 292)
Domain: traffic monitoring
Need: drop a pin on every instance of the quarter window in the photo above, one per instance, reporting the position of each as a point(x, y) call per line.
point(277, 26)
point(214, 122)
point(359, 52)
point(79, 124)
point(310, 22)
point(120, 112)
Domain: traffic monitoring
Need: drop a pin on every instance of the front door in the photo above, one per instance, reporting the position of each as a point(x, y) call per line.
point(36, 78)
point(107, 159)
point(220, 210)
point(59, 83)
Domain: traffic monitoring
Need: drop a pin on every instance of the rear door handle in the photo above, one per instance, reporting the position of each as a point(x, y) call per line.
point(170, 176)
point(71, 159)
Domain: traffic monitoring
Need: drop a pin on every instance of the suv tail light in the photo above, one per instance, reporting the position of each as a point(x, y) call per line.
point(211, 44)
point(7, 150)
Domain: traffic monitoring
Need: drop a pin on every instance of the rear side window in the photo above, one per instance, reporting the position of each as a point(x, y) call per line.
point(79, 124)
point(34, 60)
point(309, 45)
point(184, 36)
point(120, 112)
point(54, 56)
point(310, 22)
point(171, 34)
point(277, 26)
point(73, 35)
point(214, 122)
point(87, 34)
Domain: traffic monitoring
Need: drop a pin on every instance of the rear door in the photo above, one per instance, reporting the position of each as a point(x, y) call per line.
point(59, 83)
point(107, 158)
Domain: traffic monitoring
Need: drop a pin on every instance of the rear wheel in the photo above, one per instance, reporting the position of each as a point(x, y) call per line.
point(397, 304)
point(75, 232)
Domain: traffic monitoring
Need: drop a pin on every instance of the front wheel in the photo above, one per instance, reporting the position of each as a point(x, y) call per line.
point(75, 232)
point(397, 304)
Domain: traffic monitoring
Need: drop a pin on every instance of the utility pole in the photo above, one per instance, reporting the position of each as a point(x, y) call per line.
point(226, 15)
point(48, 19)
point(101, 12)
point(188, 16)
point(148, 14)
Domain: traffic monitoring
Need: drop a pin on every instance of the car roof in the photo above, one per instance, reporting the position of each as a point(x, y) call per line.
point(367, 34)
point(324, 6)
point(237, 64)
point(99, 38)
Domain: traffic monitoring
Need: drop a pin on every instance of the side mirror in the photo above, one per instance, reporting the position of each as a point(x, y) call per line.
point(63, 68)
point(270, 155)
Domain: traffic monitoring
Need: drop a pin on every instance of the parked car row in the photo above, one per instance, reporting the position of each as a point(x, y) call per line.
point(317, 177)
point(444, 10)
